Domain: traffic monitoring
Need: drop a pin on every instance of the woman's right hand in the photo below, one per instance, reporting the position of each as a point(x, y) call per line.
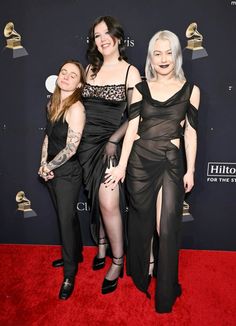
point(114, 175)
point(46, 175)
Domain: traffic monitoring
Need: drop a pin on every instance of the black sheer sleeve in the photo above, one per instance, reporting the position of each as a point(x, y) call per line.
point(192, 115)
point(134, 110)
point(110, 150)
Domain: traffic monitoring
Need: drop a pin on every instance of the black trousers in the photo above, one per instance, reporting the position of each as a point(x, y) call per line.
point(64, 189)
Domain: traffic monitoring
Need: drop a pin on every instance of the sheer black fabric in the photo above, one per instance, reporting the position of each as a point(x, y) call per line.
point(105, 120)
point(156, 163)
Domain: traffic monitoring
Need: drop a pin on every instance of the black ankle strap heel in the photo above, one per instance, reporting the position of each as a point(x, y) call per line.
point(99, 263)
point(109, 286)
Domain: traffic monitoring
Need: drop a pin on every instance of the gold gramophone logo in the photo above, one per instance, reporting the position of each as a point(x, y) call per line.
point(194, 44)
point(24, 205)
point(186, 216)
point(14, 41)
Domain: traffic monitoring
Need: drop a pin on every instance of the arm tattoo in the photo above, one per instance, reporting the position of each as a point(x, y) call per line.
point(72, 143)
point(44, 154)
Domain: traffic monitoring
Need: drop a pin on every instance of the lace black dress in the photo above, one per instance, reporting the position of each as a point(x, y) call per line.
point(105, 107)
point(155, 163)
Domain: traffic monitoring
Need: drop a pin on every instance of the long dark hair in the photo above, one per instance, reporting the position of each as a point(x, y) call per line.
point(116, 31)
point(54, 113)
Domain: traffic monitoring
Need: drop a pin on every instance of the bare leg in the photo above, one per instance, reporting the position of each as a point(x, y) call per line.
point(158, 208)
point(158, 218)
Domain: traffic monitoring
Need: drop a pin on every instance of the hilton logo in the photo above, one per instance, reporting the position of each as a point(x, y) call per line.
point(221, 172)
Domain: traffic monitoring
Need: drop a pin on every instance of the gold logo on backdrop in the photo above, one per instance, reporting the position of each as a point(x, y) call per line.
point(186, 216)
point(14, 41)
point(24, 205)
point(195, 40)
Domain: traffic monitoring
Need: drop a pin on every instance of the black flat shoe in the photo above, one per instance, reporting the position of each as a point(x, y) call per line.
point(67, 288)
point(109, 286)
point(60, 262)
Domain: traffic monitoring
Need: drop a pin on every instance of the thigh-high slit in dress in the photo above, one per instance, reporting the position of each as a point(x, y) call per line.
point(156, 163)
point(105, 111)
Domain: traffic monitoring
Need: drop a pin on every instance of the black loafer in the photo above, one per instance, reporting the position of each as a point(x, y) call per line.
point(58, 263)
point(67, 288)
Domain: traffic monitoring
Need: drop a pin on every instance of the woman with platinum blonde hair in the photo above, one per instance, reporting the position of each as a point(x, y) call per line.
point(176, 55)
point(162, 124)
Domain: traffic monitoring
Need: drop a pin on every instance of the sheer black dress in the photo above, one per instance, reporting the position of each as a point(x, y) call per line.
point(105, 107)
point(156, 163)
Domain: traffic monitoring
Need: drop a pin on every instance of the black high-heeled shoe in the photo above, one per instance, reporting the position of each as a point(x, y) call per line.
point(99, 263)
point(109, 286)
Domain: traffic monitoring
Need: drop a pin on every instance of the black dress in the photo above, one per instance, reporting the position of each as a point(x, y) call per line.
point(155, 163)
point(105, 107)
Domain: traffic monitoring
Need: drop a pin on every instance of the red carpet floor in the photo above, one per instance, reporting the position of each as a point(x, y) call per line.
point(29, 288)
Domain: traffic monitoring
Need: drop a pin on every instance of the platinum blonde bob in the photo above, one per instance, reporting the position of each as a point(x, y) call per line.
point(176, 54)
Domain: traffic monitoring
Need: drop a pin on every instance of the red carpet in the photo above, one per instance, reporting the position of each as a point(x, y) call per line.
point(29, 288)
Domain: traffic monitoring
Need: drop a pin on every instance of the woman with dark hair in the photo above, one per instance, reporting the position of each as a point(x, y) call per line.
point(105, 97)
point(164, 109)
point(60, 167)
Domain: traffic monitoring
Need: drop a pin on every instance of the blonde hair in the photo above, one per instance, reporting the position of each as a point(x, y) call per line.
point(176, 54)
point(54, 114)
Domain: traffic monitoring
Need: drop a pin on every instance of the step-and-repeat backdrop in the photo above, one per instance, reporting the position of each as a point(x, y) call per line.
point(36, 36)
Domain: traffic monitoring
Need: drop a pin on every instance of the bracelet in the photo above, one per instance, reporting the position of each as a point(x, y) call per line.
point(43, 163)
point(113, 142)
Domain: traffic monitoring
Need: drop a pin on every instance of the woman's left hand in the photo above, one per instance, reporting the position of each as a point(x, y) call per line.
point(114, 175)
point(188, 181)
point(45, 173)
point(110, 154)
